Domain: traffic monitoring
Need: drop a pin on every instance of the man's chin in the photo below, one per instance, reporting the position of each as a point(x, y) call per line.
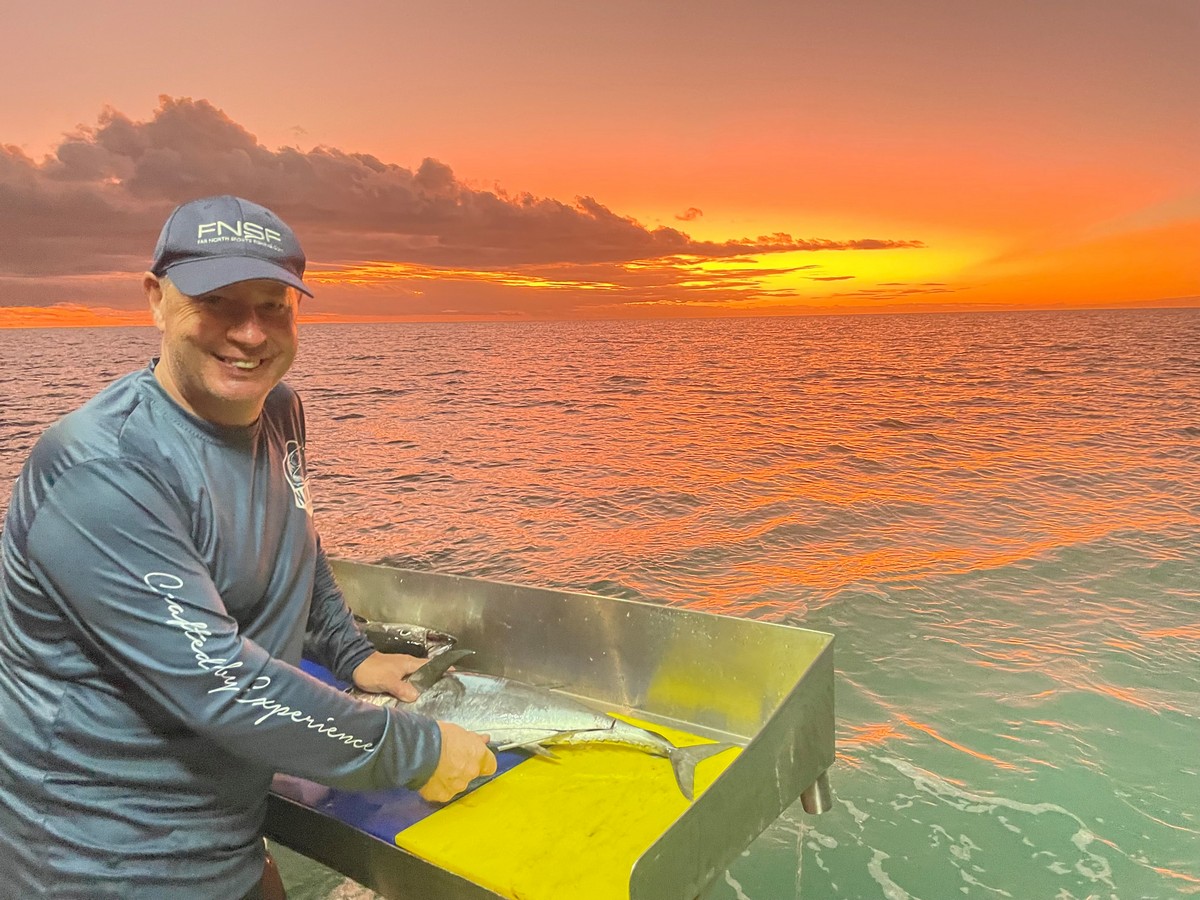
point(243, 399)
point(239, 401)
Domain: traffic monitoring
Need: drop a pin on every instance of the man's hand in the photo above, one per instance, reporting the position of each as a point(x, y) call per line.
point(465, 756)
point(384, 673)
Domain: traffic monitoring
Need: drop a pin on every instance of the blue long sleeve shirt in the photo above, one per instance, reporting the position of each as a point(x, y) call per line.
point(161, 579)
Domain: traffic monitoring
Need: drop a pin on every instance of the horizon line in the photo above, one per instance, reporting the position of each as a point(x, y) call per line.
point(69, 315)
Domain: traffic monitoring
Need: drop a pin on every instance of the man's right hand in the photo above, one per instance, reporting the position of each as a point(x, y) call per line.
point(465, 757)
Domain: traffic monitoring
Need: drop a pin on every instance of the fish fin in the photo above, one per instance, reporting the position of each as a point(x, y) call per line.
point(560, 736)
point(430, 673)
point(538, 744)
point(520, 745)
point(685, 759)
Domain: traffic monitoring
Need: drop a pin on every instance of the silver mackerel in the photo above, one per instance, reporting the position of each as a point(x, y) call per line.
point(515, 714)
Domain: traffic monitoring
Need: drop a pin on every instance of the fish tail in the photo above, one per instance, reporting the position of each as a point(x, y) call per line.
point(685, 759)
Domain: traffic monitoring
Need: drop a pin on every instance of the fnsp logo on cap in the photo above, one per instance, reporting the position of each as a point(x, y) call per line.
point(238, 231)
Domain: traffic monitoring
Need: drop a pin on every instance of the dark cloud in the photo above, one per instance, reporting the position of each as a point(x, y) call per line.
point(690, 214)
point(96, 204)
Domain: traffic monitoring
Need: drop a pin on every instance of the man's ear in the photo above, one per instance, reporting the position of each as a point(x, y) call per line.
point(154, 295)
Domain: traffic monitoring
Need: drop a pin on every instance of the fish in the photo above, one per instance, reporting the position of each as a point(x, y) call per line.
point(514, 714)
point(399, 637)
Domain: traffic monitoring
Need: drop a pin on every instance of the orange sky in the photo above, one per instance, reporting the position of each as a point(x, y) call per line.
point(536, 160)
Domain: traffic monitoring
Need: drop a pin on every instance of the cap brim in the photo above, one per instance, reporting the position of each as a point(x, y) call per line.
point(199, 276)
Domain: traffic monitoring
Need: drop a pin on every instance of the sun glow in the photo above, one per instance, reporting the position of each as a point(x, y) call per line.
point(383, 273)
point(71, 315)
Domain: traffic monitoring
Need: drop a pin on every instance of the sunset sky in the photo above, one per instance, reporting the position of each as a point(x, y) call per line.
point(546, 160)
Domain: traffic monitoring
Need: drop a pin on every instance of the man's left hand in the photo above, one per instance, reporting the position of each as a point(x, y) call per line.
point(385, 673)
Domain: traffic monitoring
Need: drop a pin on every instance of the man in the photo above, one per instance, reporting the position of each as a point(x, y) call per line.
point(161, 579)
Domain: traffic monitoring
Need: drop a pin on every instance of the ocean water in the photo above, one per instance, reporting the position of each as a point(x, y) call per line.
point(998, 515)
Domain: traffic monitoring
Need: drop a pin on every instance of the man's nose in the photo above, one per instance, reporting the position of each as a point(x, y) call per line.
point(248, 329)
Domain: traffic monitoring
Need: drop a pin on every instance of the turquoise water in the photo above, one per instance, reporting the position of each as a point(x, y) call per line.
point(996, 514)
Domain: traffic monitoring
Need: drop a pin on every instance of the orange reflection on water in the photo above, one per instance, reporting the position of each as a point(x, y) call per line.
point(1050, 649)
point(1027, 654)
point(1126, 646)
point(729, 602)
point(1042, 762)
point(847, 760)
point(916, 563)
point(873, 734)
point(933, 733)
point(1182, 632)
point(1130, 696)
point(1035, 655)
point(1193, 883)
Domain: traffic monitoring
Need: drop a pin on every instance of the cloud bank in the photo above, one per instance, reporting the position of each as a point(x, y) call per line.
point(395, 238)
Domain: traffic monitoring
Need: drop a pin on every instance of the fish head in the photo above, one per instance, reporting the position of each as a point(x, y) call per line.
point(401, 637)
point(438, 642)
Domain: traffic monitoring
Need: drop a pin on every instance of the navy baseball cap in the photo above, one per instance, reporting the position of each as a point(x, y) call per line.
point(216, 241)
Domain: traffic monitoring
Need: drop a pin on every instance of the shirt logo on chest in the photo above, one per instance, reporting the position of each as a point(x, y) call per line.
point(297, 475)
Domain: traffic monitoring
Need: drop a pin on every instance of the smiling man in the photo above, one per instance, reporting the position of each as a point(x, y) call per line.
point(162, 578)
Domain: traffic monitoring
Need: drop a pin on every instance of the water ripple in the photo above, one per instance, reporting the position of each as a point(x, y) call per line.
point(998, 515)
